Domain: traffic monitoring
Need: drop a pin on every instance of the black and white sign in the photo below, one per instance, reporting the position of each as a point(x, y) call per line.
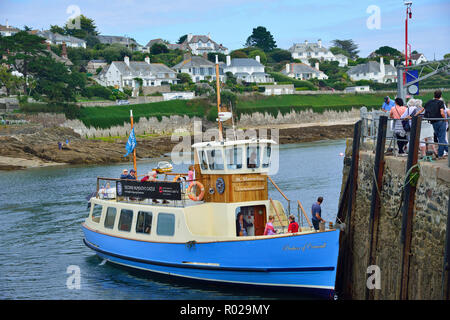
point(149, 190)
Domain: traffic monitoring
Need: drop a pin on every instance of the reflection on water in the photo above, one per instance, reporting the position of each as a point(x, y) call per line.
point(42, 210)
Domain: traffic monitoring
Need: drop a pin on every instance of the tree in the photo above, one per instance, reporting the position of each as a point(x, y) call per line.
point(22, 48)
point(57, 29)
point(388, 51)
point(446, 56)
point(87, 27)
point(9, 81)
point(260, 53)
point(182, 39)
point(348, 46)
point(261, 38)
point(238, 54)
point(220, 56)
point(338, 50)
point(184, 77)
point(158, 48)
point(279, 55)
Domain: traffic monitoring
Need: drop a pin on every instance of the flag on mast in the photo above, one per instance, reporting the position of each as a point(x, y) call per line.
point(131, 143)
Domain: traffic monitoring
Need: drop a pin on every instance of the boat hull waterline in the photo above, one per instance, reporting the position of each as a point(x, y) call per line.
point(303, 261)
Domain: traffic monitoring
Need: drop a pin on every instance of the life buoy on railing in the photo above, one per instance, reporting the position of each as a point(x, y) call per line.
point(191, 195)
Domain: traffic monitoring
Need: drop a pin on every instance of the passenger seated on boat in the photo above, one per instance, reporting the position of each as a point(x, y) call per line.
point(269, 229)
point(124, 174)
point(293, 226)
point(132, 175)
point(241, 225)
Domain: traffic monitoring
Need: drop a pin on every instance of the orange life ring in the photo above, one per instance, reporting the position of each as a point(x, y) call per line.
point(192, 195)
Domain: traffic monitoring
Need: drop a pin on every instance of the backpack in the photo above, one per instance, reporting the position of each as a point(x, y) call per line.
point(405, 123)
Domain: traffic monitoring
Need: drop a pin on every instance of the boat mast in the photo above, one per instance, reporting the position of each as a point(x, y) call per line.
point(134, 150)
point(218, 98)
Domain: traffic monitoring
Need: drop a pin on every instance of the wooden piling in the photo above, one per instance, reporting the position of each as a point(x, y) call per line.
point(343, 285)
point(446, 268)
point(408, 204)
point(376, 189)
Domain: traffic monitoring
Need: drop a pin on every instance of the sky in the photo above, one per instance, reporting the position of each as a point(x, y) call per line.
point(370, 24)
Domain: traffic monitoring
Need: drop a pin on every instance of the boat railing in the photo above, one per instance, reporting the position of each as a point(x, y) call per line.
point(300, 208)
point(282, 193)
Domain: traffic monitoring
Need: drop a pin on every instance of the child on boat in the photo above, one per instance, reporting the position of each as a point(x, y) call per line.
point(269, 230)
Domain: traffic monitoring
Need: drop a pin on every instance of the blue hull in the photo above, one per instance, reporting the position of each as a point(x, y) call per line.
point(306, 262)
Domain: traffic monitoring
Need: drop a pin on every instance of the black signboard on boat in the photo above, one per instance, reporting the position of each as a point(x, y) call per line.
point(149, 189)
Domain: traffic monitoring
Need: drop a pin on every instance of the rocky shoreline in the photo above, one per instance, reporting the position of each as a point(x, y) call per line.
point(32, 146)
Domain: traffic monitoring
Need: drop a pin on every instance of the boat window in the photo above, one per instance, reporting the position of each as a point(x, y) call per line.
point(166, 224)
point(144, 222)
point(234, 157)
point(266, 156)
point(215, 159)
point(110, 217)
point(202, 158)
point(253, 157)
point(126, 217)
point(96, 213)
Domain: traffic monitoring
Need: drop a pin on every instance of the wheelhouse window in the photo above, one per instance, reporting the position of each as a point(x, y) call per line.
point(126, 217)
point(202, 158)
point(215, 159)
point(110, 217)
point(144, 222)
point(166, 224)
point(253, 157)
point(234, 157)
point(267, 151)
point(96, 213)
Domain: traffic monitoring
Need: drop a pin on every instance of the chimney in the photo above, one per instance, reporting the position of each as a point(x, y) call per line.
point(186, 56)
point(392, 62)
point(257, 59)
point(147, 59)
point(205, 55)
point(316, 65)
point(126, 59)
point(7, 24)
point(209, 35)
point(228, 61)
point(48, 45)
point(382, 65)
point(189, 37)
point(64, 51)
point(319, 42)
point(306, 42)
point(288, 67)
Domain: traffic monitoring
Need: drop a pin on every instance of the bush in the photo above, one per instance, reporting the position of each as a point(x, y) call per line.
point(71, 111)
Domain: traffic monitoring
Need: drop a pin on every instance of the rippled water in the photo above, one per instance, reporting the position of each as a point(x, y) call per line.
point(42, 210)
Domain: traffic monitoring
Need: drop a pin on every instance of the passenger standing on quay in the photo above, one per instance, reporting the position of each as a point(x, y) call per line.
point(316, 211)
point(387, 105)
point(400, 133)
point(435, 109)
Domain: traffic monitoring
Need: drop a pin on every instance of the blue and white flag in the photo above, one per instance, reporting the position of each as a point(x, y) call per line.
point(131, 143)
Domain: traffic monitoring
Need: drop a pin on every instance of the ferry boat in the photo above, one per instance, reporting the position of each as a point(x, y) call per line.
point(193, 232)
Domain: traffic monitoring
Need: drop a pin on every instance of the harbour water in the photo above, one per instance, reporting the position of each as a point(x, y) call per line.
point(41, 211)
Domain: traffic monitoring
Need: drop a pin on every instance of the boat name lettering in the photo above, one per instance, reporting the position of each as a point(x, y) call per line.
point(149, 190)
point(248, 188)
point(305, 247)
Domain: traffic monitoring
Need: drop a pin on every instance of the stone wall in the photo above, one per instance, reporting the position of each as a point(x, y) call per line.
point(428, 235)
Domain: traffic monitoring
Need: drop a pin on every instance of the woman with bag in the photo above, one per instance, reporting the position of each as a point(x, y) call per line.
point(400, 133)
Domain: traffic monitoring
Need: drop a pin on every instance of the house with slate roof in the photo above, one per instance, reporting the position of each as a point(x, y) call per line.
point(302, 71)
point(374, 71)
point(127, 42)
point(199, 68)
point(201, 44)
point(6, 31)
point(59, 39)
point(124, 73)
point(248, 70)
point(305, 51)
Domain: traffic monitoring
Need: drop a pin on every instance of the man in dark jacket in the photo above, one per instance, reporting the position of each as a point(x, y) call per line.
point(435, 109)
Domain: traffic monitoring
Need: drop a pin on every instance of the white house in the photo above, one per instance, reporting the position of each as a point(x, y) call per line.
point(200, 44)
point(302, 71)
point(248, 70)
point(374, 71)
point(58, 39)
point(6, 31)
point(124, 73)
point(198, 68)
point(127, 42)
point(418, 58)
point(342, 59)
point(305, 51)
point(278, 89)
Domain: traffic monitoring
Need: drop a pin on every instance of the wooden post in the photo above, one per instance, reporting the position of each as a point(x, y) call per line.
point(343, 286)
point(408, 204)
point(446, 269)
point(376, 189)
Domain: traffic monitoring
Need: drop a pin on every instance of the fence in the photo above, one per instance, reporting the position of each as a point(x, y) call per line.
point(369, 130)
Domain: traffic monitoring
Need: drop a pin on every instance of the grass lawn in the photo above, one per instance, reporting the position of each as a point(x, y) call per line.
point(106, 117)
